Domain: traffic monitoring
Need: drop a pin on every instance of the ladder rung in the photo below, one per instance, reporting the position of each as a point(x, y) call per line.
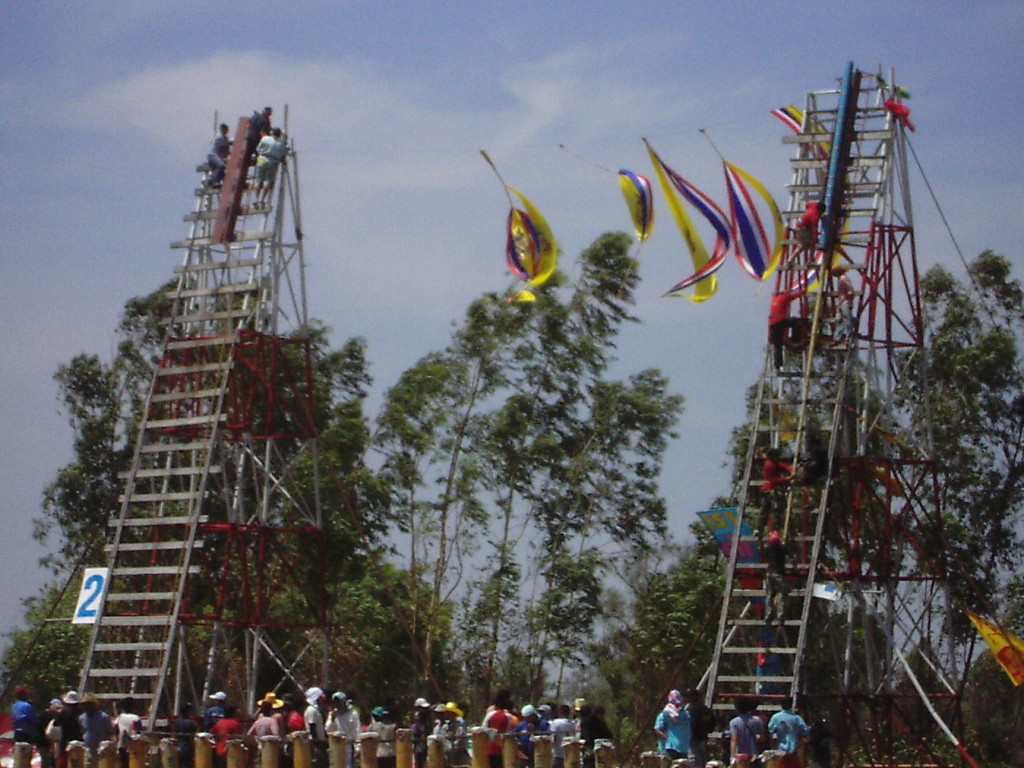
point(139, 522)
point(169, 447)
point(146, 546)
point(135, 621)
point(140, 597)
point(177, 370)
point(207, 266)
point(202, 341)
point(115, 696)
point(241, 237)
point(146, 498)
point(169, 472)
point(855, 162)
point(243, 210)
point(195, 394)
point(143, 672)
point(117, 647)
point(189, 421)
point(225, 289)
point(153, 570)
point(758, 649)
point(203, 317)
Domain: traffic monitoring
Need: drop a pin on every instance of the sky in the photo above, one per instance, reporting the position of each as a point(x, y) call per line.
point(109, 107)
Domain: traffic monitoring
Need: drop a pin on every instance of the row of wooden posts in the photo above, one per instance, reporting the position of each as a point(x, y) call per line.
point(142, 751)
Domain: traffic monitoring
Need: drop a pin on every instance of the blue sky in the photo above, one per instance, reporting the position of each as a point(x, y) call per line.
point(109, 106)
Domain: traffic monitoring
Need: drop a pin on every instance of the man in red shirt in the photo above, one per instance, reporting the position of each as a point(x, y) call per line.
point(779, 321)
point(500, 720)
point(224, 729)
point(776, 475)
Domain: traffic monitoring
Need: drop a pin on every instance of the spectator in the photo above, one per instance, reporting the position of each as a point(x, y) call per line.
point(672, 726)
point(95, 723)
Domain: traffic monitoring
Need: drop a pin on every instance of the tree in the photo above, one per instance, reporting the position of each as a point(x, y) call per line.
point(514, 439)
point(976, 400)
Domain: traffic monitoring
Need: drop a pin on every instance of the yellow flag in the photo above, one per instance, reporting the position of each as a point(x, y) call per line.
point(1008, 649)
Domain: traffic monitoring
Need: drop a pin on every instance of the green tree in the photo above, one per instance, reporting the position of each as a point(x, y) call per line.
point(512, 456)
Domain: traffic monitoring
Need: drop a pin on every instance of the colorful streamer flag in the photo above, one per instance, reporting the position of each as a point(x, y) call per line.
point(637, 191)
point(1008, 649)
point(791, 116)
point(755, 254)
point(530, 250)
point(705, 265)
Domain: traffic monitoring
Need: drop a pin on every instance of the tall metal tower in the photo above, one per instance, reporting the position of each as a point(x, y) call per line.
point(844, 617)
point(213, 577)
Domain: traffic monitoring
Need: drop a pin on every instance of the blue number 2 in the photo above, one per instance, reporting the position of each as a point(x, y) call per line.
point(94, 586)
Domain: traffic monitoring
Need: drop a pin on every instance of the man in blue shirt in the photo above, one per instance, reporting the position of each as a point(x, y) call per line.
point(23, 717)
point(789, 731)
point(218, 155)
point(673, 728)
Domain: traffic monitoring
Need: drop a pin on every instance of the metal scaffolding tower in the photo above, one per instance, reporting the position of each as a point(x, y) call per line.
point(209, 575)
point(844, 616)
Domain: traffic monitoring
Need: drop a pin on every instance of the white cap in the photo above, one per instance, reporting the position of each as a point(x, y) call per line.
point(219, 696)
point(313, 695)
point(422, 703)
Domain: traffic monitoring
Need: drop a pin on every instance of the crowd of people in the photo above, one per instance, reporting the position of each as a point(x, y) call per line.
point(73, 718)
point(682, 727)
point(265, 150)
point(685, 723)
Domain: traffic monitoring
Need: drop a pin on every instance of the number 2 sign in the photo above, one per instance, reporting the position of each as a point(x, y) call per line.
point(94, 584)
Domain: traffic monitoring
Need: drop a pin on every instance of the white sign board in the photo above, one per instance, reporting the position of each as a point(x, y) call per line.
point(826, 591)
point(94, 585)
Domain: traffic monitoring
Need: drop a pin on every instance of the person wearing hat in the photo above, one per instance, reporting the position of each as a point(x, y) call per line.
point(70, 728)
point(531, 724)
point(344, 719)
point(215, 711)
point(265, 723)
point(451, 729)
point(23, 717)
point(385, 722)
point(422, 726)
point(314, 717)
point(96, 724)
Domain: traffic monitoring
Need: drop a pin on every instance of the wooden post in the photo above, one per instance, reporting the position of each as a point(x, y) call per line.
point(480, 738)
point(106, 755)
point(302, 753)
point(435, 752)
point(403, 748)
point(573, 750)
point(543, 744)
point(138, 751)
point(22, 754)
point(509, 751)
point(337, 750)
point(204, 750)
point(168, 753)
point(270, 751)
point(367, 750)
point(604, 753)
point(77, 754)
point(238, 755)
